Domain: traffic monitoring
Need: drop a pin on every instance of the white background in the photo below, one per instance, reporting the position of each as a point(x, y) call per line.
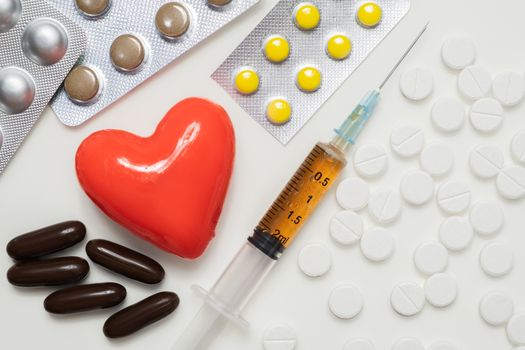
point(39, 188)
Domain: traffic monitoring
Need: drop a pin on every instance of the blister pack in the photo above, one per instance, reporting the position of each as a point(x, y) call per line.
point(300, 53)
point(38, 47)
point(130, 40)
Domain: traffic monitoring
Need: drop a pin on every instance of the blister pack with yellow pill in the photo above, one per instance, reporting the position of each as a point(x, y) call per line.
point(299, 54)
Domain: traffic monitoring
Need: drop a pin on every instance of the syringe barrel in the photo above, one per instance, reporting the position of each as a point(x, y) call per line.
point(238, 282)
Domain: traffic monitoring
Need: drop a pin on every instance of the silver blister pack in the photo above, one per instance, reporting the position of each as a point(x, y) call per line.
point(183, 24)
point(307, 48)
point(38, 47)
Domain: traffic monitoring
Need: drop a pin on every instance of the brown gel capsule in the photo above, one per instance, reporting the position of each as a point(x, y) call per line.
point(46, 240)
point(125, 261)
point(93, 8)
point(84, 298)
point(137, 316)
point(127, 53)
point(82, 84)
point(172, 20)
point(49, 272)
point(219, 3)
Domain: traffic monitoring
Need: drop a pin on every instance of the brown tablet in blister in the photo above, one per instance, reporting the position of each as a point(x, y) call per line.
point(46, 240)
point(93, 8)
point(219, 3)
point(125, 261)
point(127, 53)
point(137, 316)
point(82, 85)
point(49, 272)
point(172, 20)
point(84, 298)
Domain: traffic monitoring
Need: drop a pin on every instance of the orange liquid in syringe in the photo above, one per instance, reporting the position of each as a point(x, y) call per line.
point(303, 192)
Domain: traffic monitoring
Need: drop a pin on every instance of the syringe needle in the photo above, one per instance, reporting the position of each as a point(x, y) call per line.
point(403, 57)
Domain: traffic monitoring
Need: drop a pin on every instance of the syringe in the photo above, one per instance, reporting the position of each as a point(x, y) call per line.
point(279, 226)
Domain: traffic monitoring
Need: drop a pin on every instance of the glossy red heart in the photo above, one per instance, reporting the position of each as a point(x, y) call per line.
point(167, 188)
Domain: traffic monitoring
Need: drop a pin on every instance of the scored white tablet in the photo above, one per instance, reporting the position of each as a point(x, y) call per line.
point(280, 337)
point(346, 227)
point(474, 82)
point(407, 298)
point(408, 141)
point(486, 160)
point(453, 197)
point(384, 206)
point(416, 83)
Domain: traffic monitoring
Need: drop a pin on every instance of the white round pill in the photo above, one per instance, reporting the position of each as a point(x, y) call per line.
point(441, 290)
point(436, 159)
point(486, 218)
point(407, 298)
point(508, 88)
point(384, 206)
point(486, 115)
point(352, 193)
point(458, 52)
point(408, 141)
point(359, 344)
point(416, 83)
point(431, 258)
point(346, 227)
point(496, 259)
point(442, 345)
point(408, 343)
point(496, 308)
point(280, 337)
point(377, 244)
point(517, 147)
point(511, 182)
point(516, 329)
point(453, 197)
point(314, 259)
point(345, 301)
point(486, 160)
point(455, 233)
point(474, 82)
point(370, 160)
point(417, 187)
point(448, 114)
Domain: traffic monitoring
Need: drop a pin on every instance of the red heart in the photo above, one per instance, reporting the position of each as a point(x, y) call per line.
point(168, 188)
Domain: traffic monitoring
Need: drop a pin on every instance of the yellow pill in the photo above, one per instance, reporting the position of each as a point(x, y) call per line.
point(339, 47)
point(278, 111)
point(369, 14)
point(308, 79)
point(276, 49)
point(306, 16)
point(247, 81)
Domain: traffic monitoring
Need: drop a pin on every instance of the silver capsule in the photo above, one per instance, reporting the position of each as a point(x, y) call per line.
point(10, 11)
point(44, 41)
point(17, 90)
